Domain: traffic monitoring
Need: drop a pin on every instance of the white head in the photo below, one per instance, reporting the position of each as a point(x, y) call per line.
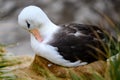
point(32, 18)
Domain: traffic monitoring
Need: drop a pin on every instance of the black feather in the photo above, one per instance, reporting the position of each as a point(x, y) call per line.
point(75, 48)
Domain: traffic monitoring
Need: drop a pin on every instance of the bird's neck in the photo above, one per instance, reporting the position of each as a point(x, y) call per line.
point(48, 30)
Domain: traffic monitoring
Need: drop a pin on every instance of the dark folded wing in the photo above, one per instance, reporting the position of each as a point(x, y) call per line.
point(78, 42)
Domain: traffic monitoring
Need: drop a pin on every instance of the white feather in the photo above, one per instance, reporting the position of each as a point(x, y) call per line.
point(38, 19)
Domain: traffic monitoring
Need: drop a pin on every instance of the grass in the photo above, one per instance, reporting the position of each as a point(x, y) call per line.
point(114, 51)
point(74, 76)
point(112, 71)
point(45, 73)
point(113, 63)
point(7, 60)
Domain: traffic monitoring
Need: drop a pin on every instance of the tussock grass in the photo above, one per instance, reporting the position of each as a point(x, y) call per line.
point(7, 60)
point(112, 71)
point(113, 54)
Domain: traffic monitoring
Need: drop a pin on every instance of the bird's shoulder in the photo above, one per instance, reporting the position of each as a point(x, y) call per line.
point(72, 39)
point(77, 33)
point(79, 30)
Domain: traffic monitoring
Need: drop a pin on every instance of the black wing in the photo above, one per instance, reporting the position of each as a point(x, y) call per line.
point(79, 42)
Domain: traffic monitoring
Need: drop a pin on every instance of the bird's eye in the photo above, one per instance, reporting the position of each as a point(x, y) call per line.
point(28, 25)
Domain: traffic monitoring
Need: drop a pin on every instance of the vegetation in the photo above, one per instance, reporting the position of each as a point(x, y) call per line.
point(112, 71)
point(6, 60)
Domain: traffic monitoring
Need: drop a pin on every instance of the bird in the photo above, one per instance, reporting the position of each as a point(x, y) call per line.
point(68, 45)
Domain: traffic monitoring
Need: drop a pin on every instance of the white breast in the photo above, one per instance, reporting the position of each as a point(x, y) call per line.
point(50, 53)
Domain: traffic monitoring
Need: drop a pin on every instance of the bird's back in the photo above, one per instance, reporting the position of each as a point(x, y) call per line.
point(80, 42)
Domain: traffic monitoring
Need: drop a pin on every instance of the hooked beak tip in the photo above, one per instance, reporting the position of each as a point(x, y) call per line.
point(36, 34)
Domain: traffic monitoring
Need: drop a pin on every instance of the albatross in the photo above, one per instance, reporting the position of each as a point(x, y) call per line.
point(67, 45)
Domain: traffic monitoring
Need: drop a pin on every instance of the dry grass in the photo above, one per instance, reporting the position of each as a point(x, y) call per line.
point(25, 68)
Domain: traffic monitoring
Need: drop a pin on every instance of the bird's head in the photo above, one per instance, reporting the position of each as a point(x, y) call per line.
point(32, 18)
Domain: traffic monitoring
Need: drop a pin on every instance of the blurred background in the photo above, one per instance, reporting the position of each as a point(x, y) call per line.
point(59, 11)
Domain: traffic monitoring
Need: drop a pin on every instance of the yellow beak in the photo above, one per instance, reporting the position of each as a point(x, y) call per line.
point(36, 34)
